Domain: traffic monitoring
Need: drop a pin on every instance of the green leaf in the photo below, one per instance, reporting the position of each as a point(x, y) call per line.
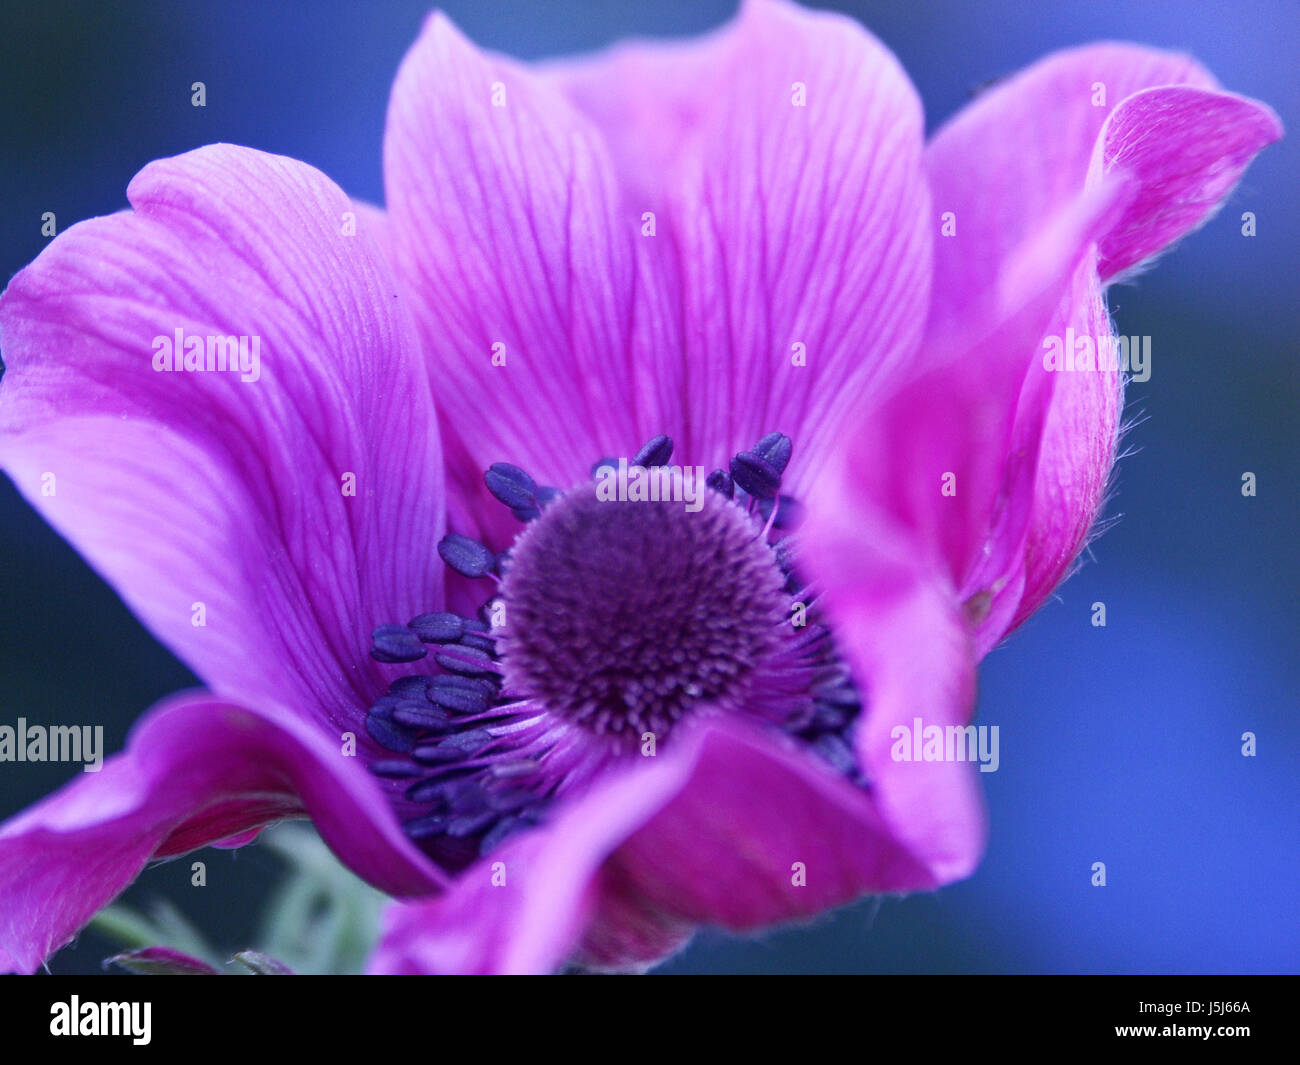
point(262, 964)
point(156, 961)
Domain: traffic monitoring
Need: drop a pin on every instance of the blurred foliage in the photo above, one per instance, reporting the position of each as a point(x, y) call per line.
point(319, 919)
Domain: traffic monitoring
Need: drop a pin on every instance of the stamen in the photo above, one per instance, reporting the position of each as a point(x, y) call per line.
point(396, 643)
point(622, 617)
point(755, 475)
point(467, 557)
point(789, 511)
point(655, 452)
point(720, 481)
point(775, 449)
point(438, 628)
point(470, 661)
point(511, 485)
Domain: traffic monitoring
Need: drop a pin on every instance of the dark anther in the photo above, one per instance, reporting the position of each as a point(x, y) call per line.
point(480, 685)
point(396, 643)
point(395, 769)
point(431, 754)
point(511, 485)
point(544, 496)
point(413, 686)
point(755, 475)
point(425, 827)
point(467, 557)
point(775, 449)
point(655, 452)
point(427, 790)
point(469, 824)
point(459, 700)
point(388, 734)
point(479, 640)
point(720, 481)
point(507, 826)
point(785, 550)
point(438, 628)
point(421, 716)
point(466, 660)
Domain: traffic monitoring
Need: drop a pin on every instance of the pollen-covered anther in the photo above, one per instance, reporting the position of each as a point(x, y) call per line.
point(626, 616)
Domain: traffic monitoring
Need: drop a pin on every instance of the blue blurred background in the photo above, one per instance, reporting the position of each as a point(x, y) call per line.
point(1119, 744)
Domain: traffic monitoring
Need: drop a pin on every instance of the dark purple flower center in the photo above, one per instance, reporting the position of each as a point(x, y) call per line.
point(625, 616)
point(617, 618)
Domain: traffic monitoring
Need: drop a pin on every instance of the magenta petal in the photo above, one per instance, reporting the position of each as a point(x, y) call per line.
point(523, 908)
point(1186, 148)
point(724, 847)
point(782, 158)
point(1065, 122)
point(998, 171)
point(1021, 151)
point(959, 474)
point(1180, 150)
point(906, 637)
point(621, 875)
point(508, 226)
point(196, 771)
point(299, 509)
point(1079, 437)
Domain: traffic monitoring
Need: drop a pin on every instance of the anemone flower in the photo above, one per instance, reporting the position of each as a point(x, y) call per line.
point(565, 719)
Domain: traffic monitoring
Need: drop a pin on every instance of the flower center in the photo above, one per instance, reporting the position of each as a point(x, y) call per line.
point(616, 614)
point(626, 616)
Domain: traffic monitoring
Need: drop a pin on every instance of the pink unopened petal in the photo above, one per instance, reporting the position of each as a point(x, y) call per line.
point(196, 771)
point(1079, 435)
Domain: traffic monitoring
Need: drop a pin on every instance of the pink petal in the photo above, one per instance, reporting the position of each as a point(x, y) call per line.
point(1181, 150)
point(1185, 148)
point(1079, 438)
point(1020, 151)
point(902, 628)
point(624, 872)
point(914, 528)
point(945, 457)
point(200, 488)
point(782, 158)
point(1002, 166)
point(508, 225)
point(196, 770)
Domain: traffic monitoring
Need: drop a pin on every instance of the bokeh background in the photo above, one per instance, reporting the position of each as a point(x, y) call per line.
point(1120, 744)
